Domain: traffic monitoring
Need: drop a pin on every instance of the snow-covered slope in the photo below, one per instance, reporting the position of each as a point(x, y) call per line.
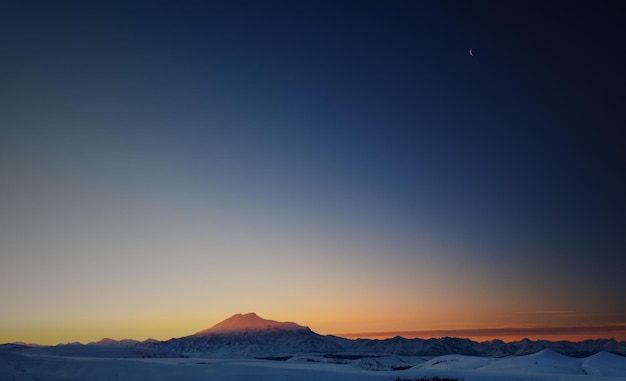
point(544, 362)
point(605, 364)
point(457, 362)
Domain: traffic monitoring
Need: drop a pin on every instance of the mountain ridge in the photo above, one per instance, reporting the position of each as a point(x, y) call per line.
point(248, 335)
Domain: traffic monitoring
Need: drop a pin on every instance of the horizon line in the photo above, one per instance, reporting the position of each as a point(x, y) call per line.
point(615, 331)
point(579, 333)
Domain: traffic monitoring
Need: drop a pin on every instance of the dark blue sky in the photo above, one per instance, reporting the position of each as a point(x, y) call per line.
point(363, 129)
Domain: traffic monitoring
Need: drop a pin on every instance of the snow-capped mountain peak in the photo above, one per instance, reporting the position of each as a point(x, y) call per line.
point(250, 322)
point(248, 335)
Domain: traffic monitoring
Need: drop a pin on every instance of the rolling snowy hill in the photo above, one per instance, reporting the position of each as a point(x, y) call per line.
point(542, 366)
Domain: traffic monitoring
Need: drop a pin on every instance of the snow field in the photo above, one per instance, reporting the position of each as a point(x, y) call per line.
point(542, 366)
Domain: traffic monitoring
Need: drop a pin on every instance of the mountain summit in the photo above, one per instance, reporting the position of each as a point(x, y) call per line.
point(250, 322)
point(248, 335)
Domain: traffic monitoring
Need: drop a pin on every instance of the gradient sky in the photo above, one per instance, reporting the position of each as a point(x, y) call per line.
point(344, 164)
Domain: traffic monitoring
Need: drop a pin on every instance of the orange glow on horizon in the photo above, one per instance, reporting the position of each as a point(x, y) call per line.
point(373, 326)
point(574, 334)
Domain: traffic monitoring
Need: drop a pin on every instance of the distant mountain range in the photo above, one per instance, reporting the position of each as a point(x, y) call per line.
point(248, 335)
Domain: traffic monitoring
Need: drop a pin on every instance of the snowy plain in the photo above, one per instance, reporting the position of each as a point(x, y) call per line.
point(542, 366)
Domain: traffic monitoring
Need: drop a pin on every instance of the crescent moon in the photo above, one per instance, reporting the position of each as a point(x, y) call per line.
point(471, 53)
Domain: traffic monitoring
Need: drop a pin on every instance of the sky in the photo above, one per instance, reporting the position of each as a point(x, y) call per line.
point(346, 165)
